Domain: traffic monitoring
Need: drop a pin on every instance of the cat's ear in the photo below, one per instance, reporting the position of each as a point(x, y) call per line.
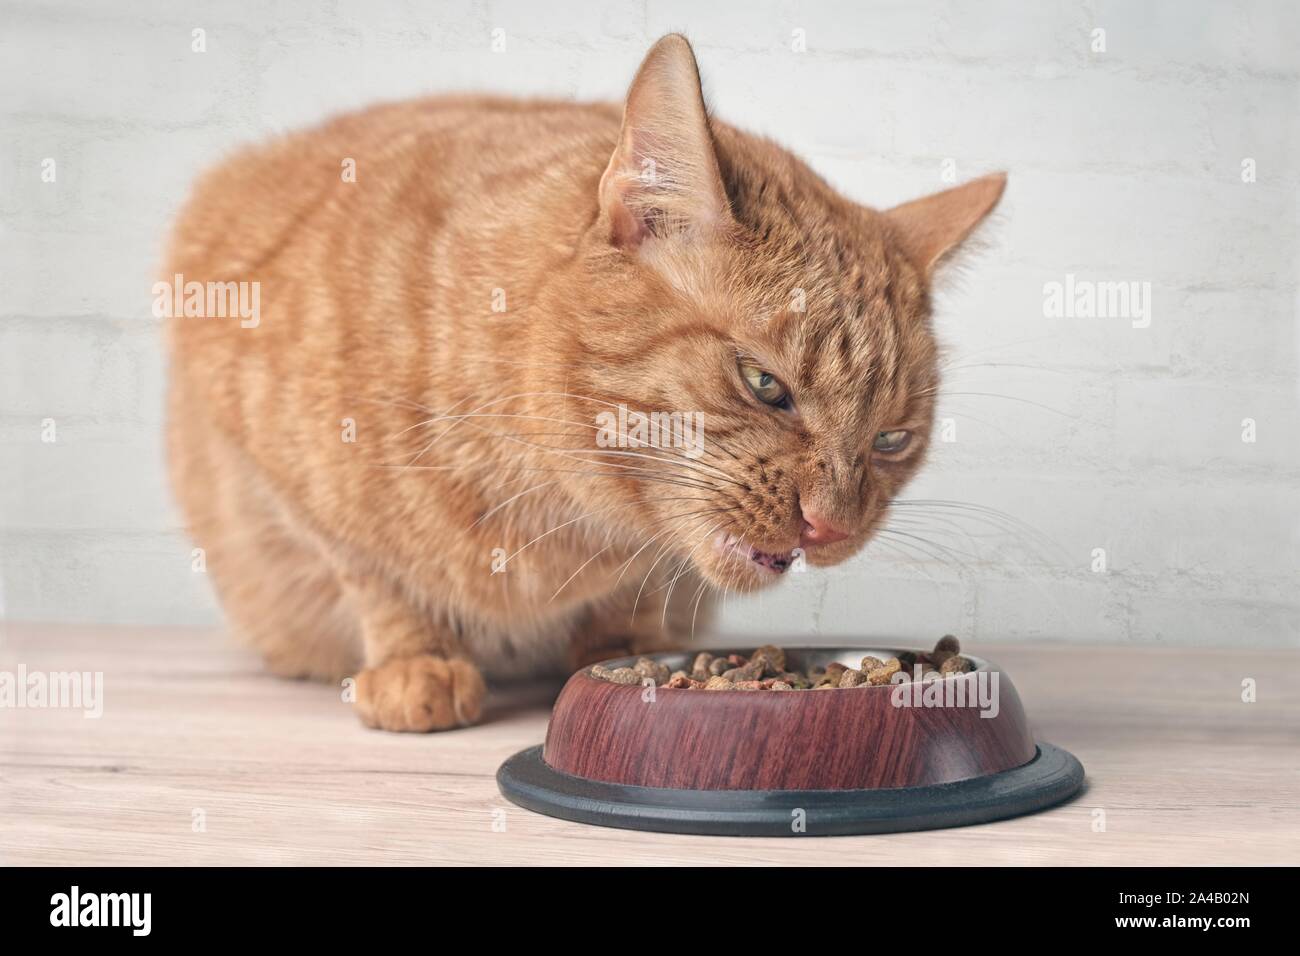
point(663, 178)
point(933, 226)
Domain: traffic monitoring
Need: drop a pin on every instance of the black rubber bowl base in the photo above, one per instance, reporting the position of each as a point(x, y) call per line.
point(1052, 776)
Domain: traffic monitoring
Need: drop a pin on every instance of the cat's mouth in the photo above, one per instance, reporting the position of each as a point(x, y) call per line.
point(764, 562)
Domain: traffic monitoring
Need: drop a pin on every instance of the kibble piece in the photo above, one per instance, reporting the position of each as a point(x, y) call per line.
point(718, 683)
point(749, 685)
point(624, 675)
point(600, 670)
point(718, 665)
point(700, 666)
point(885, 673)
point(852, 678)
point(657, 672)
point(746, 672)
point(772, 658)
point(956, 665)
point(870, 663)
point(781, 685)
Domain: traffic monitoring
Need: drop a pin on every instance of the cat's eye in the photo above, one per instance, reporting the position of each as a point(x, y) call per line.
point(891, 442)
point(767, 388)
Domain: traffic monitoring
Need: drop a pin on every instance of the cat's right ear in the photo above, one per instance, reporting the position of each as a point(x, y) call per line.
point(663, 178)
point(931, 228)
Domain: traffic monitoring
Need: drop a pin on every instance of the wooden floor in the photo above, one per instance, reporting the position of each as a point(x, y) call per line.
point(1181, 770)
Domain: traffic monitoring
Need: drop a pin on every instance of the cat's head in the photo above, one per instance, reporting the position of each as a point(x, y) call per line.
point(779, 332)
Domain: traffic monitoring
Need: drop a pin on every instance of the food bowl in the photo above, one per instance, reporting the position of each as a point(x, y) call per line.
point(867, 759)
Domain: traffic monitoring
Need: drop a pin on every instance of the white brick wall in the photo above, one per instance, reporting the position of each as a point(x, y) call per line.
point(1086, 433)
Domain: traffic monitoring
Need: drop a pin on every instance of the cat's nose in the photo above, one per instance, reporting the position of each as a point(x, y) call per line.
point(817, 530)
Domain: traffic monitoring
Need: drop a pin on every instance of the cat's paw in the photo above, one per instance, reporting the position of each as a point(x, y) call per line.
point(420, 694)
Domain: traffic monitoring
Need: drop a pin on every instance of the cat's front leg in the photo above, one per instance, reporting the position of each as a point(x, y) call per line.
point(417, 677)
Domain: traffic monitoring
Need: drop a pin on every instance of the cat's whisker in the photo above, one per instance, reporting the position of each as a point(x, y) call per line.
point(675, 456)
point(696, 598)
point(561, 526)
point(1002, 348)
point(566, 395)
point(663, 550)
point(658, 479)
point(487, 514)
point(1035, 544)
point(1014, 398)
point(551, 531)
point(607, 547)
point(976, 512)
point(517, 395)
point(682, 569)
point(906, 555)
point(527, 491)
point(1019, 365)
point(628, 563)
point(944, 552)
point(686, 461)
point(636, 601)
point(1032, 579)
point(927, 522)
point(957, 412)
point(730, 591)
point(693, 479)
point(577, 572)
point(682, 566)
point(994, 525)
point(700, 478)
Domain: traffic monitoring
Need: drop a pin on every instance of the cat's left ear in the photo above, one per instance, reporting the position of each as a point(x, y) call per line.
point(932, 227)
point(663, 178)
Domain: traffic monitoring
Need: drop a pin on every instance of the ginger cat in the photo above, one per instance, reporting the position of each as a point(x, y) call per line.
point(425, 458)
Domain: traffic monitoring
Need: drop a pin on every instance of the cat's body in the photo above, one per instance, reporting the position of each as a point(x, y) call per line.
point(395, 471)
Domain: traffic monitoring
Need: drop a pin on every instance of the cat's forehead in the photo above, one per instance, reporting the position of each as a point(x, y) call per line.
point(848, 324)
point(852, 365)
point(815, 287)
point(838, 303)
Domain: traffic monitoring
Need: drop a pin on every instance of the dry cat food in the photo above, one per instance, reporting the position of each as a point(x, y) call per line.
point(765, 669)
